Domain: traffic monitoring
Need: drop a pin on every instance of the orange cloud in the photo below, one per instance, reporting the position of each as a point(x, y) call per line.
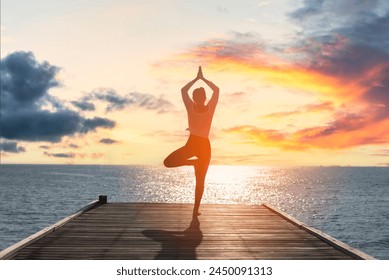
point(251, 58)
point(310, 108)
point(353, 80)
point(342, 134)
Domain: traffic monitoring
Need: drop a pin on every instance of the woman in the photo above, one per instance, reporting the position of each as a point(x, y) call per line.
point(198, 145)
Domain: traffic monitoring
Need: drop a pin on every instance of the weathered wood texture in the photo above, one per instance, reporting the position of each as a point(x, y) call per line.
point(166, 231)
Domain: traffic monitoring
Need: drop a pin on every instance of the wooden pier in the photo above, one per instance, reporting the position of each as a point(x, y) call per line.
point(146, 231)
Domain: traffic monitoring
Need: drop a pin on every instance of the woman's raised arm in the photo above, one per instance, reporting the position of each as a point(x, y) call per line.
point(215, 89)
point(185, 94)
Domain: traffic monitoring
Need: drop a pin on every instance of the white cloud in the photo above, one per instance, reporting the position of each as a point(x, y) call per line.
point(263, 3)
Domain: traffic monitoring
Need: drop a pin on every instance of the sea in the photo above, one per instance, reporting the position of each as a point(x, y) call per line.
point(348, 203)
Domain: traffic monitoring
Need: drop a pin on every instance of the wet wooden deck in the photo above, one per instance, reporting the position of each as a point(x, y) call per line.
point(146, 231)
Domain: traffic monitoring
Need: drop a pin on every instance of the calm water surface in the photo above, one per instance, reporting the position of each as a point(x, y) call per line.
point(349, 203)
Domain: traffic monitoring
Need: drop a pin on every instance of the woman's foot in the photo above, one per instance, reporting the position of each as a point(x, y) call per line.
point(196, 214)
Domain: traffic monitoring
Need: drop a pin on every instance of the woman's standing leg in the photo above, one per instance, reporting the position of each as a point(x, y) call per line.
point(201, 168)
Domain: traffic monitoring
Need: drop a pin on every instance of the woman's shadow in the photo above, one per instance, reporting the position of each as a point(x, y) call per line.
point(177, 244)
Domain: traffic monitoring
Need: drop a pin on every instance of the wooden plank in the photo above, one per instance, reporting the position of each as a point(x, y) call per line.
point(165, 231)
point(11, 250)
point(323, 236)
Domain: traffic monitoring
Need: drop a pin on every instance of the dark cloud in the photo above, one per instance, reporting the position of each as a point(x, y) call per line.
point(25, 85)
point(47, 126)
point(374, 33)
point(24, 81)
point(93, 124)
point(245, 36)
point(108, 141)
point(45, 147)
point(116, 102)
point(309, 9)
point(364, 23)
point(349, 61)
point(39, 125)
point(379, 92)
point(60, 155)
point(11, 147)
point(150, 102)
point(343, 122)
point(84, 105)
point(74, 146)
point(346, 37)
point(71, 155)
point(321, 17)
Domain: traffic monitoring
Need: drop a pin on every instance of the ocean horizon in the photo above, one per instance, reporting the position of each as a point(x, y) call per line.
point(348, 203)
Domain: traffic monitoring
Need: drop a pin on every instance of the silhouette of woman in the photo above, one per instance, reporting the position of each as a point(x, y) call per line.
point(198, 145)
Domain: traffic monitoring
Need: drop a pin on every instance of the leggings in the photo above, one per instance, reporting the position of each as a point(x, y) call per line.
point(197, 146)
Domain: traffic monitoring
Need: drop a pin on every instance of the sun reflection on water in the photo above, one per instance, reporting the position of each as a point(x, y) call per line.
point(225, 184)
point(234, 184)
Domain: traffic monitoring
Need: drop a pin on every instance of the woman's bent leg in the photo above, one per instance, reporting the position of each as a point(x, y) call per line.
point(179, 157)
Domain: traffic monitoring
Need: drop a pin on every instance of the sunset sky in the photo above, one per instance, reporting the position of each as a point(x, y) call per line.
point(98, 82)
